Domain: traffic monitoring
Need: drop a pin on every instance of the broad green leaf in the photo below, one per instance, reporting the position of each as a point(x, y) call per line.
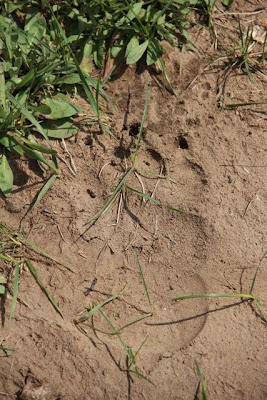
point(11, 144)
point(27, 114)
point(153, 52)
point(59, 108)
point(86, 63)
point(227, 3)
point(41, 109)
point(70, 79)
point(36, 146)
point(135, 10)
point(133, 43)
point(59, 129)
point(11, 6)
point(2, 289)
point(27, 79)
point(6, 176)
point(136, 53)
point(3, 114)
point(98, 53)
point(35, 155)
point(86, 87)
point(35, 25)
point(117, 48)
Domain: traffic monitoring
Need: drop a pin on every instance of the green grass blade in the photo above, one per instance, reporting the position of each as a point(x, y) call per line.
point(44, 189)
point(211, 295)
point(6, 350)
point(33, 246)
point(40, 195)
point(15, 290)
point(256, 273)
point(2, 88)
point(98, 307)
point(38, 147)
point(140, 318)
point(254, 279)
point(111, 197)
point(35, 155)
point(236, 105)
point(153, 175)
point(157, 202)
point(258, 304)
point(202, 381)
point(264, 256)
point(140, 347)
point(141, 126)
point(27, 115)
point(85, 85)
point(144, 195)
point(115, 332)
point(143, 281)
point(128, 350)
point(10, 259)
point(42, 286)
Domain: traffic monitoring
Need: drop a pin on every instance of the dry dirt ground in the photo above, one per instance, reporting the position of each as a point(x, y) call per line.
point(215, 164)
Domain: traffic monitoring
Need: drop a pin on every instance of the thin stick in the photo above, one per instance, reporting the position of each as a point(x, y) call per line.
point(102, 169)
point(141, 183)
point(71, 158)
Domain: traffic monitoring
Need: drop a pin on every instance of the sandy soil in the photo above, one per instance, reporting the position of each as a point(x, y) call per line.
point(215, 164)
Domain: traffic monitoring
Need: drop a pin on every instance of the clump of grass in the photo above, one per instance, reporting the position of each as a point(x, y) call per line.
point(122, 185)
point(240, 56)
point(38, 71)
point(130, 355)
point(13, 251)
point(108, 33)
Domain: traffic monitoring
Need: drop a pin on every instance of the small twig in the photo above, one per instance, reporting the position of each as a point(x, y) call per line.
point(243, 13)
point(102, 169)
point(156, 228)
point(60, 232)
point(141, 183)
point(69, 154)
point(133, 239)
point(67, 164)
point(249, 203)
point(119, 210)
point(156, 185)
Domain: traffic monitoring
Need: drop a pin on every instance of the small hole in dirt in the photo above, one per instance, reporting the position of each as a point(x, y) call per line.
point(122, 153)
point(91, 193)
point(157, 157)
point(88, 141)
point(183, 144)
point(134, 129)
